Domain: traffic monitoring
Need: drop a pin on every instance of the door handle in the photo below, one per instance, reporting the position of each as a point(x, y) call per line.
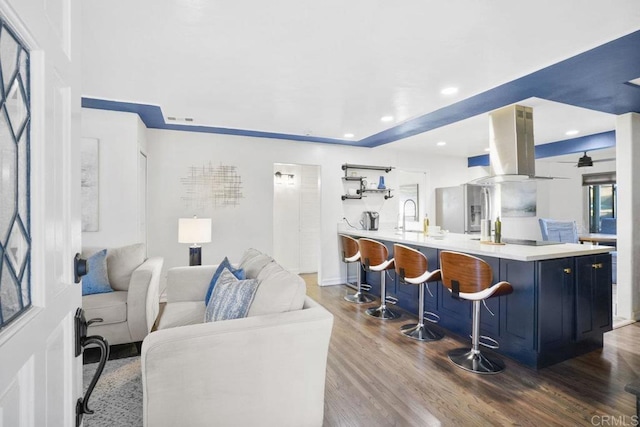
point(567, 270)
point(82, 340)
point(598, 265)
point(80, 268)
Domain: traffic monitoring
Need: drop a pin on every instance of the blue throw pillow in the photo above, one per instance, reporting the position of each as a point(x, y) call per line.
point(96, 281)
point(231, 298)
point(239, 273)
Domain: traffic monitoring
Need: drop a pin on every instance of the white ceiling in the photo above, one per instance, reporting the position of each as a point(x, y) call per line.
point(326, 68)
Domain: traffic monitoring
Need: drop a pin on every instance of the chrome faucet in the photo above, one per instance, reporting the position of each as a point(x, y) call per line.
point(404, 212)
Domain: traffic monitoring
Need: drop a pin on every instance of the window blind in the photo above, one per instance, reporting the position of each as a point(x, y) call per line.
point(599, 178)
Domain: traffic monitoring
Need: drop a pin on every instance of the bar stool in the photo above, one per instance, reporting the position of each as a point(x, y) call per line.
point(351, 253)
point(469, 278)
point(373, 256)
point(412, 267)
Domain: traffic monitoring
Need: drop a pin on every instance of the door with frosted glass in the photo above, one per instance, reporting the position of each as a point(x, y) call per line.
point(40, 377)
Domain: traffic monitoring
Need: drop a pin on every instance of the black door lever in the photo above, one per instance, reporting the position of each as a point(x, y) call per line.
point(82, 341)
point(80, 268)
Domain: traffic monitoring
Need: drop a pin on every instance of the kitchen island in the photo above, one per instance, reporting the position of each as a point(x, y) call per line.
point(561, 303)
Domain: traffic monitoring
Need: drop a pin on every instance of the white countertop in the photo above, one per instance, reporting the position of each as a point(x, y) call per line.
point(465, 243)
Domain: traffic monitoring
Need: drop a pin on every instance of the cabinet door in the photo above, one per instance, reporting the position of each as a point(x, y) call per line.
point(490, 324)
point(517, 314)
point(593, 296)
point(555, 303)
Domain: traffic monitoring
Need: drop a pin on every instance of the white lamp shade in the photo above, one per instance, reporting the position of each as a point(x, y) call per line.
point(194, 230)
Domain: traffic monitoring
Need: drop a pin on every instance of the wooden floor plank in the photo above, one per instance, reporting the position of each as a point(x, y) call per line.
point(378, 377)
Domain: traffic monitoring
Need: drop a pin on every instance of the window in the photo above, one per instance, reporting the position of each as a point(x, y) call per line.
point(15, 229)
point(602, 198)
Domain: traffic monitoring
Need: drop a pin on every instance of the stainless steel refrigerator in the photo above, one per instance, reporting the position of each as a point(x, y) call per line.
point(460, 209)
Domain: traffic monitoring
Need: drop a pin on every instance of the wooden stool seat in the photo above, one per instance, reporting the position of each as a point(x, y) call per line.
point(412, 267)
point(468, 277)
point(351, 254)
point(374, 257)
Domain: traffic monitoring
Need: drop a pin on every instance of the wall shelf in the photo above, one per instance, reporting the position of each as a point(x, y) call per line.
point(363, 188)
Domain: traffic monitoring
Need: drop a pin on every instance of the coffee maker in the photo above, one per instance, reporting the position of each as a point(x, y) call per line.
point(370, 220)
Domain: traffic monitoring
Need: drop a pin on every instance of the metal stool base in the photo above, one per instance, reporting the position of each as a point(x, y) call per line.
point(476, 362)
point(421, 332)
point(358, 298)
point(382, 312)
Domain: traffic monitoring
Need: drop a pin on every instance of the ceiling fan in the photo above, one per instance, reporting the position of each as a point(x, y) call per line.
point(586, 160)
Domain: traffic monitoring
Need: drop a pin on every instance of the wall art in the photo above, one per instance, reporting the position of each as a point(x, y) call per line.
point(212, 186)
point(90, 183)
point(518, 199)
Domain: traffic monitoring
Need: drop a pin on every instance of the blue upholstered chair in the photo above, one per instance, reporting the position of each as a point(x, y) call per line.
point(558, 231)
point(608, 225)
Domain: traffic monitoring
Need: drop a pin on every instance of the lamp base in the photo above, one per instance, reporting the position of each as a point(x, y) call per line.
point(195, 255)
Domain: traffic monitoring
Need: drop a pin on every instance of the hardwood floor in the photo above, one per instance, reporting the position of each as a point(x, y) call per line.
point(378, 377)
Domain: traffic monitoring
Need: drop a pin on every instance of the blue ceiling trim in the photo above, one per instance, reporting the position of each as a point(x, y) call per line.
point(596, 79)
point(152, 117)
point(597, 141)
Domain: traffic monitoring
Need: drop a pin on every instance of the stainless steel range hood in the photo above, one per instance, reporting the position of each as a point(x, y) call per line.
point(511, 145)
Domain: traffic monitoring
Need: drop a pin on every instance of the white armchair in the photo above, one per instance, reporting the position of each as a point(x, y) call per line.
point(267, 369)
point(129, 312)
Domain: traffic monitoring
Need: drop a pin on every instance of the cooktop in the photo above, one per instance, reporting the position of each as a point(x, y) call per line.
point(530, 242)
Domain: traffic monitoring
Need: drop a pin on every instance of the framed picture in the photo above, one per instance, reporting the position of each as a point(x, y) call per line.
point(90, 183)
point(519, 199)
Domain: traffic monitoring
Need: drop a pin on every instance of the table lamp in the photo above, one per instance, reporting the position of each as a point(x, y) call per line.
point(194, 230)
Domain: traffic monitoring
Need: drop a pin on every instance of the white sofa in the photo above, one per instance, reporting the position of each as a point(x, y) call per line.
point(266, 369)
point(129, 312)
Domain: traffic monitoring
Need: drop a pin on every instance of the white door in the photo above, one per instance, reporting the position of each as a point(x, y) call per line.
point(40, 377)
point(296, 217)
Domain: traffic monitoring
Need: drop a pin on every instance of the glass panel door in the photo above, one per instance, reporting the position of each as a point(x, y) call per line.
point(602, 204)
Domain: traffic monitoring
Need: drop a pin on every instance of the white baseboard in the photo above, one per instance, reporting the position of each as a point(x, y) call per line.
point(332, 282)
point(623, 323)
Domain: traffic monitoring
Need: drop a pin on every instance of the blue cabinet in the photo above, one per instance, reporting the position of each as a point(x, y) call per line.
point(556, 291)
point(559, 308)
point(593, 297)
point(518, 314)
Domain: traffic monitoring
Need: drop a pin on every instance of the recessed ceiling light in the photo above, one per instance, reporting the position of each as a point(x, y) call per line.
point(449, 90)
point(441, 143)
point(571, 132)
point(386, 118)
point(349, 135)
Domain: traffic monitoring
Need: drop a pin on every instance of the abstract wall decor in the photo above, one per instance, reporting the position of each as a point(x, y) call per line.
point(90, 183)
point(209, 186)
point(518, 199)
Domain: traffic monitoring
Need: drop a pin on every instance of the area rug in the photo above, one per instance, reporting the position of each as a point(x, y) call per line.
point(117, 397)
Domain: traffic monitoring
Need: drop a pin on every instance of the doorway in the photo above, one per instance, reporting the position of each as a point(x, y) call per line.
point(296, 217)
point(142, 198)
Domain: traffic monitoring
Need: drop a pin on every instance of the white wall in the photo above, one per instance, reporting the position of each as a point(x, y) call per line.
point(628, 178)
point(121, 137)
point(251, 223)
